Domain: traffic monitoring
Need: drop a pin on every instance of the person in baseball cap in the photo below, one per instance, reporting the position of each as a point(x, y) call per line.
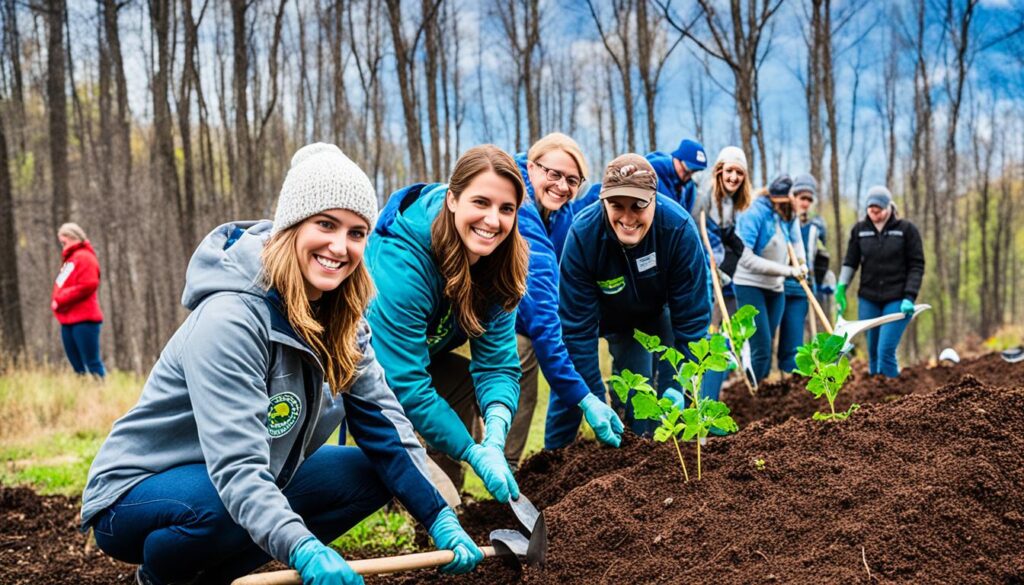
point(222, 466)
point(675, 172)
point(633, 260)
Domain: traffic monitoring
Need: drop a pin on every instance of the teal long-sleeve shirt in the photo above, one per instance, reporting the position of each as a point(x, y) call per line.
point(412, 321)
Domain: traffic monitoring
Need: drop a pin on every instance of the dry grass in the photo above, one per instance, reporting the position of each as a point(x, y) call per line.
point(39, 401)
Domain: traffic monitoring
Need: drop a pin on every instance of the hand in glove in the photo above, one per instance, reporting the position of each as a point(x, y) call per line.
point(676, 397)
point(907, 308)
point(319, 564)
point(489, 463)
point(841, 298)
point(449, 535)
point(798, 272)
point(606, 424)
point(497, 422)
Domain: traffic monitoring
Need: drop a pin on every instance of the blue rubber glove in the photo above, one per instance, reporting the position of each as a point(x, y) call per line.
point(907, 308)
point(321, 565)
point(490, 464)
point(497, 422)
point(449, 535)
point(606, 424)
point(676, 397)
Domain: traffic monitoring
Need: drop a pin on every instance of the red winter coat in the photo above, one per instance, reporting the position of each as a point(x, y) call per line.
point(74, 292)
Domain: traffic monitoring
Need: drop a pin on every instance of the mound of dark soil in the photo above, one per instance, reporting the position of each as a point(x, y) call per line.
point(40, 543)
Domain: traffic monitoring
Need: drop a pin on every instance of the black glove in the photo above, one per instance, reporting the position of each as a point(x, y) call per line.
point(734, 247)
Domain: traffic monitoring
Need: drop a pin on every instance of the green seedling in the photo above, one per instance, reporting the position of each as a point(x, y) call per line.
point(820, 360)
point(703, 414)
point(759, 464)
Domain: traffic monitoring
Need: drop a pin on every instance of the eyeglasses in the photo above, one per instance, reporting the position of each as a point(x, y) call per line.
point(554, 176)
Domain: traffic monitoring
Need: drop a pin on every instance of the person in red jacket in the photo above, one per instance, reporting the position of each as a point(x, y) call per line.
point(75, 304)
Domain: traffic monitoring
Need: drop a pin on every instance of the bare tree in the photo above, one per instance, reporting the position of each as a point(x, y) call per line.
point(56, 102)
point(12, 336)
point(742, 44)
point(620, 49)
point(654, 51)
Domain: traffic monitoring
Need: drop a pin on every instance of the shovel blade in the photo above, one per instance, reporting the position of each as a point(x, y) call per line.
point(509, 543)
point(537, 551)
point(525, 511)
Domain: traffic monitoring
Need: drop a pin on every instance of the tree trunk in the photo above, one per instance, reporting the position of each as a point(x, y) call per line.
point(243, 175)
point(829, 95)
point(56, 101)
point(407, 87)
point(12, 336)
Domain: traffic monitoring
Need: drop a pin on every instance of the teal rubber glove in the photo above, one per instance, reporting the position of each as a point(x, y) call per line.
point(497, 422)
point(676, 397)
point(321, 565)
point(490, 464)
point(449, 535)
point(606, 424)
point(907, 308)
point(841, 298)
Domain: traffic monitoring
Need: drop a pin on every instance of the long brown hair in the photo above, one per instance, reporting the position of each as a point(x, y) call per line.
point(499, 278)
point(331, 332)
point(741, 199)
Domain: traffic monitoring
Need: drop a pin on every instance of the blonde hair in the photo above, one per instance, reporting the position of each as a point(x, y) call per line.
point(499, 278)
point(559, 141)
point(73, 230)
point(331, 332)
point(741, 199)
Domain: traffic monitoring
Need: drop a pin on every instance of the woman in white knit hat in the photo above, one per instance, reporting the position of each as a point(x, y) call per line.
point(221, 466)
point(728, 194)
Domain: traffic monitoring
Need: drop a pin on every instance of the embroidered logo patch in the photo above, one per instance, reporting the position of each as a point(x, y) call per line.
point(612, 286)
point(444, 328)
point(283, 413)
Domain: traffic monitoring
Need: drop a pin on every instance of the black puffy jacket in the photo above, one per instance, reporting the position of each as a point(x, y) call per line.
point(892, 261)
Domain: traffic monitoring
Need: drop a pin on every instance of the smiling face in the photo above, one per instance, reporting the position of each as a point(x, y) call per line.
point(484, 213)
point(629, 219)
point(330, 246)
point(553, 194)
point(802, 201)
point(732, 177)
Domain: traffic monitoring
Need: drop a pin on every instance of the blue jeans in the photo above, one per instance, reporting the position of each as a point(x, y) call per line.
point(563, 419)
point(791, 331)
point(82, 346)
point(769, 305)
point(174, 524)
point(882, 341)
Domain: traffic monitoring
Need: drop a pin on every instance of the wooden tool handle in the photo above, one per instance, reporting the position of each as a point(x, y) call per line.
point(719, 296)
point(807, 290)
point(424, 560)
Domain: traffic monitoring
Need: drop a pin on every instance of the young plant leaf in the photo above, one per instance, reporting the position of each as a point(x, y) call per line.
point(645, 406)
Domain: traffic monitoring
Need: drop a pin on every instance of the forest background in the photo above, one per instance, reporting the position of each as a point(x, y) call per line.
point(151, 122)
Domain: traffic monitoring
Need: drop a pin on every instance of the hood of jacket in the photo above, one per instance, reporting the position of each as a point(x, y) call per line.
point(70, 250)
point(227, 260)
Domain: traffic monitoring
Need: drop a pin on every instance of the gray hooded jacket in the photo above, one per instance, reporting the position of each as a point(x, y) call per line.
point(237, 389)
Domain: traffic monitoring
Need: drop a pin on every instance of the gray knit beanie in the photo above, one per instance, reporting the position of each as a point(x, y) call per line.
point(321, 178)
point(805, 184)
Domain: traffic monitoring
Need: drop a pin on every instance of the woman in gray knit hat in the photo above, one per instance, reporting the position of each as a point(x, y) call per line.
point(221, 466)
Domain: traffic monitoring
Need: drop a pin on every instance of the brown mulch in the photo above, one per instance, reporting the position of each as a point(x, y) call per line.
point(924, 484)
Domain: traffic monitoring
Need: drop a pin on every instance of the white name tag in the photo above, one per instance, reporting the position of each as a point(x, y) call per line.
point(647, 262)
point(866, 234)
point(894, 233)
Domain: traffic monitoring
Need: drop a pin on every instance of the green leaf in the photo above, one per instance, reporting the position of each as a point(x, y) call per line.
point(816, 386)
point(672, 413)
point(717, 363)
point(726, 423)
point(651, 343)
point(831, 347)
point(661, 434)
point(713, 408)
point(620, 387)
point(699, 348)
point(673, 356)
point(804, 361)
point(690, 432)
point(719, 344)
point(645, 407)
point(822, 416)
point(689, 370)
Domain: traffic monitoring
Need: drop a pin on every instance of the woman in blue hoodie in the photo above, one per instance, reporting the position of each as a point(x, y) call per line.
point(450, 265)
point(221, 466)
point(767, 229)
point(552, 170)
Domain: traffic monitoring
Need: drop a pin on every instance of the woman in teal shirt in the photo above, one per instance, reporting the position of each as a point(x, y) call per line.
point(450, 265)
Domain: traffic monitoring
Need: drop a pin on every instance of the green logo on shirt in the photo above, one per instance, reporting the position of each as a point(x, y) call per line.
point(283, 413)
point(612, 286)
point(443, 330)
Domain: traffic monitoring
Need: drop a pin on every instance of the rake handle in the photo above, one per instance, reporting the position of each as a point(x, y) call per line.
point(807, 290)
point(717, 285)
point(396, 564)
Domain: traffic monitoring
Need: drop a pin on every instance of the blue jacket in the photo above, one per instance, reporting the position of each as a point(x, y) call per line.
point(606, 288)
point(669, 184)
point(412, 320)
point(537, 316)
point(237, 389)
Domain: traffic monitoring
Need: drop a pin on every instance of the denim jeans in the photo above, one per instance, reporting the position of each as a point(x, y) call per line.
point(882, 341)
point(791, 330)
point(769, 305)
point(82, 346)
point(174, 524)
point(563, 419)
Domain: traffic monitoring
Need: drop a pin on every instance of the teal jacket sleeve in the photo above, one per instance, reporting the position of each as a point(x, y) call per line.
point(495, 364)
point(398, 317)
